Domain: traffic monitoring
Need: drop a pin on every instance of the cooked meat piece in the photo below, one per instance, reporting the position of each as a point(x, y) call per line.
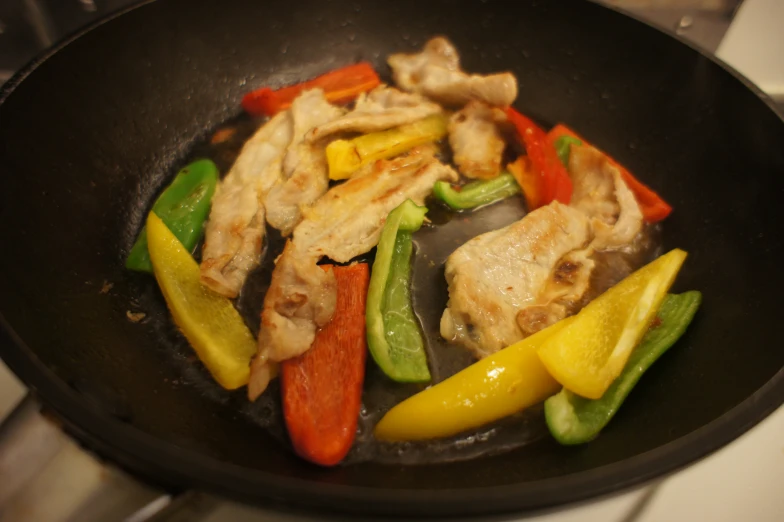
point(301, 298)
point(235, 229)
point(407, 68)
point(438, 51)
point(456, 88)
point(383, 108)
point(346, 222)
point(562, 295)
point(508, 283)
point(600, 192)
point(511, 283)
point(436, 73)
point(305, 164)
point(476, 140)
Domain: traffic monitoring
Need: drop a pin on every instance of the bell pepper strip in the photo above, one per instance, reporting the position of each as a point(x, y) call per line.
point(322, 388)
point(183, 206)
point(527, 180)
point(209, 321)
point(551, 181)
point(653, 207)
point(340, 86)
point(563, 147)
point(344, 157)
point(499, 385)
point(393, 332)
point(476, 193)
point(591, 352)
point(575, 420)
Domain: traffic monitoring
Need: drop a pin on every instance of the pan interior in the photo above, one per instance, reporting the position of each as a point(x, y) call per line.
point(90, 137)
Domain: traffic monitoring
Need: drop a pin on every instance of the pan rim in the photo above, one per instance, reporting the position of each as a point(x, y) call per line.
point(765, 97)
point(141, 452)
point(14, 81)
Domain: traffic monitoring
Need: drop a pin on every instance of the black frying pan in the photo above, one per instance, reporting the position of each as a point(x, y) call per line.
point(92, 131)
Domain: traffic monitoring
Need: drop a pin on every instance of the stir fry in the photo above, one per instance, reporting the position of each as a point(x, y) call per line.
point(344, 165)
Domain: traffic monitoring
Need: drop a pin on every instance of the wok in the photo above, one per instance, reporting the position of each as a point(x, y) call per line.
point(92, 130)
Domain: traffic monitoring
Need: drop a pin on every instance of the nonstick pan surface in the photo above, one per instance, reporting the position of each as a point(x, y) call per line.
point(92, 131)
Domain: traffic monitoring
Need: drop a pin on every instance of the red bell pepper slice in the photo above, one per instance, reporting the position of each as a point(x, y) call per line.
point(653, 207)
point(322, 388)
point(548, 178)
point(340, 86)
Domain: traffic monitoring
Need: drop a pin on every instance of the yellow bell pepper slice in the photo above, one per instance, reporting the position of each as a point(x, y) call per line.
point(344, 157)
point(590, 353)
point(209, 321)
point(499, 385)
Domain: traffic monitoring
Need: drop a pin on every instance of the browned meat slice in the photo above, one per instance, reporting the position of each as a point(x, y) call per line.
point(436, 73)
point(235, 230)
point(600, 193)
point(305, 165)
point(476, 140)
point(383, 108)
point(509, 283)
point(346, 222)
point(562, 294)
point(301, 298)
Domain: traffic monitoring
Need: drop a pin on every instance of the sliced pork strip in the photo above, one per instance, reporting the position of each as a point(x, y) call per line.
point(383, 108)
point(346, 222)
point(476, 140)
point(435, 72)
point(301, 298)
point(235, 229)
point(600, 193)
point(305, 176)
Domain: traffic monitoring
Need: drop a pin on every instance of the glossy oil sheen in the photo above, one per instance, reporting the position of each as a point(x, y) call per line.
point(90, 136)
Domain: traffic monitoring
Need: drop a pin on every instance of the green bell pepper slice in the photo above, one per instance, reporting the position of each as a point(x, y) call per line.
point(394, 337)
point(183, 207)
point(563, 147)
point(477, 193)
point(575, 420)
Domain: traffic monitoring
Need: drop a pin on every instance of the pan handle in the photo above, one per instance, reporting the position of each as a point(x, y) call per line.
point(48, 477)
